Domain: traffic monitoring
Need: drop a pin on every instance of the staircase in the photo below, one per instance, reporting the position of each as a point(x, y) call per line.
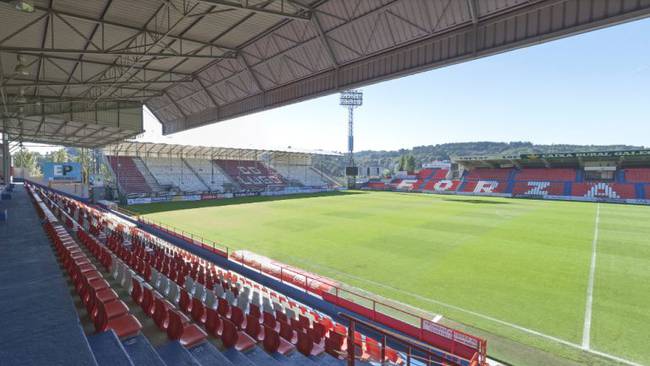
point(146, 173)
point(326, 177)
point(207, 186)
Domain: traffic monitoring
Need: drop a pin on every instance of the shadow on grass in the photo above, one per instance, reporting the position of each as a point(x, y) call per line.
point(477, 202)
point(186, 205)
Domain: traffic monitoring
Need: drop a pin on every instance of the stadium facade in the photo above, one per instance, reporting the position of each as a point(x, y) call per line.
point(149, 172)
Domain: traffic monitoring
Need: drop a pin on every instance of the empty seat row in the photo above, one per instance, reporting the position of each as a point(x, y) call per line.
point(103, 306)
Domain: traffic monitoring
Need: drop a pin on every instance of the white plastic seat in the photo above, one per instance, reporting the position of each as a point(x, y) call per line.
point(199, 291)
point(155, 277)
point(174, 293)
point(211, 300)
point(189, 285)
point(255, 299)
point(117, 268)
point(230, 297)
point(163, 285)
point(266, 305)
point(218, 290)
point(290, 313)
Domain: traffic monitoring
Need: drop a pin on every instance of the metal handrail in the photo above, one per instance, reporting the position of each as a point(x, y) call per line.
point(411, 344)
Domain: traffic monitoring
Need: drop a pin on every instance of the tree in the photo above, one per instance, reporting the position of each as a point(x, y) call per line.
point(59, 156)
point(409, 164)
point(27, 160)
point(402, 163)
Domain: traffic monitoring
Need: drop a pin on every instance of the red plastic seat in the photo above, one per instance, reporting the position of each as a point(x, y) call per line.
point(198, 311)
point(319, 332)
point(230, 337)
point(185, 302)
point(253, 328)
point(188, 334)
point(269, 321)
point(254, 310)
point(136, 293)
point(393, 356)
point(307, 347)
point(334, 344)
point(304, 321)
point(148, 302)
point(237, 317)
point(223, 308)
point(373, 349)
point(124, 325)
point(113, 309)
point(160, 314)
point(104, 296)
point(274, 343)
point(212, 322)
point(288, 333)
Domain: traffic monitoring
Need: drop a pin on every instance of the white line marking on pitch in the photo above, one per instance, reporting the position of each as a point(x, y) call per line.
point(479, 315)
point(586, 330)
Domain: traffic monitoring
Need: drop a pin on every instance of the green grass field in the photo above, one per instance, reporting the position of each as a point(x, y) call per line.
point(513, 271)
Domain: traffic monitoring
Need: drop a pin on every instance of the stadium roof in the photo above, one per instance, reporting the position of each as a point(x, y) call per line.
point(204, 152)
point(621, 157)
point(77, 72)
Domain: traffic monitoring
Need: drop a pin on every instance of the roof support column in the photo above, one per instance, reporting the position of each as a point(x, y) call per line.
point(6, 156)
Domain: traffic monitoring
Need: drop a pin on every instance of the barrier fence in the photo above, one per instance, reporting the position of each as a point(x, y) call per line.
point(452, 345)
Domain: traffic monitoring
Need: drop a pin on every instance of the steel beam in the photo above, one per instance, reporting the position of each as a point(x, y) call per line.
point(113, 53)
point(95, 62)
point(132, 28)
point(35, 83)
point(261, 9)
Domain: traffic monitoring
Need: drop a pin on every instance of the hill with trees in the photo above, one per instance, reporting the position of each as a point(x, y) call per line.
point(394, 159)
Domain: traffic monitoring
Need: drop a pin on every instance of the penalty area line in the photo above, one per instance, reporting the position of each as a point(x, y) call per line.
point(586, 330)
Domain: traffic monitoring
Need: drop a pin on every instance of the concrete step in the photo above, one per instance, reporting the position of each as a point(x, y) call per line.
point(173, 353)
point(207, 354)
point(108, 350)
point(142, 352)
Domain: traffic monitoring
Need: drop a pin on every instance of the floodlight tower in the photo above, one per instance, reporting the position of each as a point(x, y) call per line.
point(351, 99)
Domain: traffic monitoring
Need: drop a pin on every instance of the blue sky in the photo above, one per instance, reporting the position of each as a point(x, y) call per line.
point(592, 88)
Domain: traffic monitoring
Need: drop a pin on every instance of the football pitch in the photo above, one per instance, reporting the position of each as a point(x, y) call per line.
point(563, 283)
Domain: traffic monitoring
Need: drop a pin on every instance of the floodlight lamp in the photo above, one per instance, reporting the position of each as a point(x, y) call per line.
point(24, 6)
point(351, 98)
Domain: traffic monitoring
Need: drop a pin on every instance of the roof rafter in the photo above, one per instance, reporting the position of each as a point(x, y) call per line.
point(106, 52)
point(260, 8)
point(155, 33)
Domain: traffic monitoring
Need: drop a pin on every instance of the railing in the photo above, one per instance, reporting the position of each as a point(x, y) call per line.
point(413, 350)
point(449, 341)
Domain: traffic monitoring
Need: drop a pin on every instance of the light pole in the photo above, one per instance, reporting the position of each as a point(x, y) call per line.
point(351, 99)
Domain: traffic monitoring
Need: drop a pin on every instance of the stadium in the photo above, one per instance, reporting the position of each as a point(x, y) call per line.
point(119, 251)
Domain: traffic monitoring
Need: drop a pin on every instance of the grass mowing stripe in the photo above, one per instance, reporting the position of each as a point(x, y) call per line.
point(586, 330)
point(487, 317)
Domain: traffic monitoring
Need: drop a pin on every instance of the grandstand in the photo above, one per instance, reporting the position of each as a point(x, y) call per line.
point(85, 283)
point(145, 296)
point(613, 176)
point(163, 170)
